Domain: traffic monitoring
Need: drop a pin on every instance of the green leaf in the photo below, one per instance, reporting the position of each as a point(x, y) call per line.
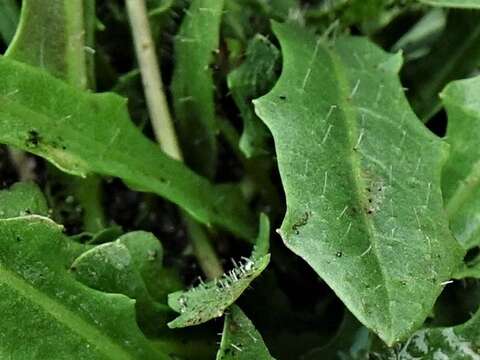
point(9, 15)
point(126, 266)
point(192, 84)
point(26, 198)
point(465, 4)
point(362, 180)
point(461, 342)
point(84, 133)
point(240, 339)
point(57, 35)
point(118, 267)
point(51, 35)
point(210, 300)
point(461, 175)
point(43, 306)
point(22, 199)
point(454, 55)
point(250, 80)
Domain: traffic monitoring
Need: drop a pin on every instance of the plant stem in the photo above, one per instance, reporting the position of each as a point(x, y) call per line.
point(152, 82)
point(22, 164)
point(203, 249)
point(76, 73)
point(163, 125)
point(81, 32)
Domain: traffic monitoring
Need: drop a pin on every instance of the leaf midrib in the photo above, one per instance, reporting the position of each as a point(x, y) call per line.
point(349, 116)
point(62, 314)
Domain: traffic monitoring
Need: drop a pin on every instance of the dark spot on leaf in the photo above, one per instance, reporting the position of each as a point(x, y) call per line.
point(339, 254)
point(282, 97)
point(33, 138)
point(302, 221)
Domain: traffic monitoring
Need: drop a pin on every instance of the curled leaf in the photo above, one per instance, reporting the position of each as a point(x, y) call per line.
point(210, 300)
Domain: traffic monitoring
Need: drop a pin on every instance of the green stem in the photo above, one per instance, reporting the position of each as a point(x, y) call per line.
point(81, 32)
point(23, 164)
point(163, 125)
point(204, 251)
point(75, 29)
point(152, 82)
point(88, 193)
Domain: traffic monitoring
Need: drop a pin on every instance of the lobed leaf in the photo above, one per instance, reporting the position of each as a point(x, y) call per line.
point(362, 180)
point(84, 133)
